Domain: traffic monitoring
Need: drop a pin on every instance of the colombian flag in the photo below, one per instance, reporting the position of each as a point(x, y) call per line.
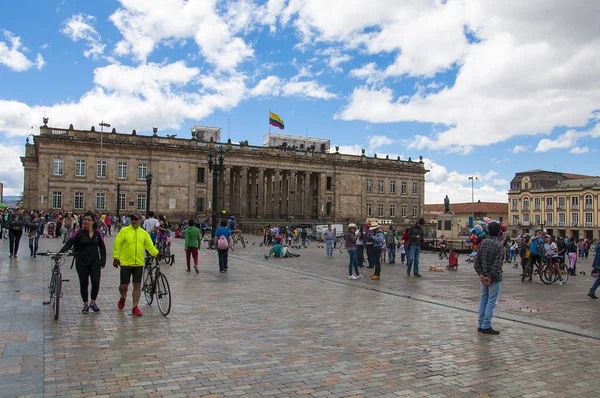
point(275, 120)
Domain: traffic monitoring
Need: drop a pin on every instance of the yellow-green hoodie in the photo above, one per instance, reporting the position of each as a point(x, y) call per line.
point(129, 246)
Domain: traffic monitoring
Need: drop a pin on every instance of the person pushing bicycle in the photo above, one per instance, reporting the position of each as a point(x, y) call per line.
point(551, 252)
point(128, 253)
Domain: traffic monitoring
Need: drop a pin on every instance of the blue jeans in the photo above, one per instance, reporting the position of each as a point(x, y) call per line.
point(489, 300)
point(391, 253)
point(329, 247)
point(353, 262)
point(595, 285)
point(223, 259)
point(413, 258)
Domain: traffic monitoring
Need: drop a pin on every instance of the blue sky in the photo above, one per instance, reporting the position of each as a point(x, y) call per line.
point(477, 88)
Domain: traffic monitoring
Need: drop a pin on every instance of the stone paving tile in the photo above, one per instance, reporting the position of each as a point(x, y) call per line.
point(278, 328)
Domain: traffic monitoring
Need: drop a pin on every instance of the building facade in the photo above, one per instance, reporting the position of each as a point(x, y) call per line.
point(562, 204)
point(68, 169)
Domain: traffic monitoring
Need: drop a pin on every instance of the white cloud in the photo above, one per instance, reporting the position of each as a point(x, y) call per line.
point(519, 148)
point(39, 62)
point(275, 86)
point(269, 86)
point(80, 27)
point(527, 73)
point(369, 73)
point(578, 150)
point(11, 53)
point(11, 172)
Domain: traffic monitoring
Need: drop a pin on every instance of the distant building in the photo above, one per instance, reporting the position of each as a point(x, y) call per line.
point(562, 204)
point(460, 219)
point(69, 169)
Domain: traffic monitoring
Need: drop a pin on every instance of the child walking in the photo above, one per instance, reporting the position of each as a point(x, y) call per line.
point(192, 242)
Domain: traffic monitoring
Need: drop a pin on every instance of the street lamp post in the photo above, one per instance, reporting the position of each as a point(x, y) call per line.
point(214, 166)
point(102, 125)
point(148, 184)
point(473, 178)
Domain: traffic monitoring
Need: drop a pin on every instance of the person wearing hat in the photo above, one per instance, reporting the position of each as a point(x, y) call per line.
point(415, 235)
point(378, 241)
point(128, 253)
point(350, 238)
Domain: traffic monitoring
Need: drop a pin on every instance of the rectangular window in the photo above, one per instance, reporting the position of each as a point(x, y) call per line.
point(575, 202)
point(549, 219)
point(415, 211)
point(369, 210)
point(100, 200)
point(57, 200)
point(537, 218)
point(514, 204)
point(515, 220)
point(447, 225)
point(380, 211)
point(403, 188)
point(329, 183)
point(403, 210)
point(122, 170)
point(549, 203)
point(415, 188)
point(575, 219)
point(101, 169)
point(562, 202)
point(141, 202)
point(369, 186)
point(439, 226)
point(381, 186)
point(142, 170)
point(537, 203)
point(80, 168)
point(122, 201)
point(200, 175)
point(562, 219)
point(199, 205)
point(79, 202)
point(392, 186)
point(392, 210)
point(328, 208)
point(589, 218)
point(58, 167)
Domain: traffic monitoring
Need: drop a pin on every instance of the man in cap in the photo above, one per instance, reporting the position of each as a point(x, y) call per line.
point(128, 253)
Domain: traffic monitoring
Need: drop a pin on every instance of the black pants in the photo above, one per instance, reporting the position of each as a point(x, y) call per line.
point(223, 258)
point(14, 237)
point(376, 254)
point(360, 255)
point(85, 273)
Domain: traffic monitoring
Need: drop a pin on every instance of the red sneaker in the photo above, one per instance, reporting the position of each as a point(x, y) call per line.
point(121, 304)
point(136, 311)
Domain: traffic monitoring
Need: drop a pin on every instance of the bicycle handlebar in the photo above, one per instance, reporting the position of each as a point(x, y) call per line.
point(49, 253)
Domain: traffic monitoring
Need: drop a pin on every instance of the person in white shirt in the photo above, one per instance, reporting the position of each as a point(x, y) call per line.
point(551, 251)
point(151, 226)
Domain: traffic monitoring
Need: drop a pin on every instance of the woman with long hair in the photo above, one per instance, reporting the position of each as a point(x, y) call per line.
point(90, 258)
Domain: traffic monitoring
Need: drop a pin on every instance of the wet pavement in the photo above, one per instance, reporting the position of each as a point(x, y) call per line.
point(296, 327)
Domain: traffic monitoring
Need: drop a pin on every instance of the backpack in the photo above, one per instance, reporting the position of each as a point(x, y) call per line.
point(222, 243)
point(389, 238)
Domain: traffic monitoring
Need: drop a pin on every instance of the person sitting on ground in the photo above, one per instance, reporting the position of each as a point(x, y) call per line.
point(280, 251)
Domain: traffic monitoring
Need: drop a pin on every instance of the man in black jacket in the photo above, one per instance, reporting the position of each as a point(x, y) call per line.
point(415, 238)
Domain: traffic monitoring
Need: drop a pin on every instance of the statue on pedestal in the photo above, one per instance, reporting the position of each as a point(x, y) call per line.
point(446, 204)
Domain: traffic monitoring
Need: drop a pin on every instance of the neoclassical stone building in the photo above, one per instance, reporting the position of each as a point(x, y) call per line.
point(68, 169)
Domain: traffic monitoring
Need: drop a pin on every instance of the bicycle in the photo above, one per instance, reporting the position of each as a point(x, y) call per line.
point(530, 269)
point(236, 236)
point(164, 252)
point(55, 287)
point(549, 274)
point(155, 283)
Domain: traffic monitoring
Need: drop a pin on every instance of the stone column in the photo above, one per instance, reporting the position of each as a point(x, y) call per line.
point(253, 180)
point(277, 194)
point(322, 196)
point(261, 193)
point(306, 210)
point(285, 192)
point(292, 187)
point(227, 189)
point(269, 194)
point(243, 185)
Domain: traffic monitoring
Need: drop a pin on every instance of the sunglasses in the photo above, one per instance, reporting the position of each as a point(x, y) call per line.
point(134, 219)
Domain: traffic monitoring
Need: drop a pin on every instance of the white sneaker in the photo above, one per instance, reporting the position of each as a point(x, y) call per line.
point(352, 277)
point(561, 282)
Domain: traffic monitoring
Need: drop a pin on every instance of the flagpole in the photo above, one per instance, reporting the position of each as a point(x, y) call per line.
point(269, 120)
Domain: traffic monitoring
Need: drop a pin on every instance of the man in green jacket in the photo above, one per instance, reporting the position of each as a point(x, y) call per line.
point(192, 243)
point(128, 252)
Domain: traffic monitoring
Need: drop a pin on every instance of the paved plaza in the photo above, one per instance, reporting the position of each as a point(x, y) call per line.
point(297, 327)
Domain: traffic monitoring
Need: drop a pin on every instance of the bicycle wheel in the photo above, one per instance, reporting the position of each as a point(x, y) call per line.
point(547, 276)
point(564, 272)
point(148, 285)
point(243, 241)
point(57, 294)
point(163, 294)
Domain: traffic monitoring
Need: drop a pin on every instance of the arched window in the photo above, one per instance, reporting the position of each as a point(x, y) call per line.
point(589, 201)
point(525, 203)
